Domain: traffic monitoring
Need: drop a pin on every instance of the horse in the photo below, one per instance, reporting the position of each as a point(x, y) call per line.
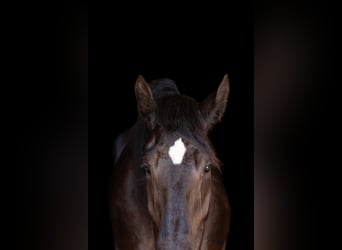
point(167, 189)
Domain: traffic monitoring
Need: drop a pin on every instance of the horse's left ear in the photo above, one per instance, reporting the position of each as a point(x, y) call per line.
point(145, 103)
point(214, 106)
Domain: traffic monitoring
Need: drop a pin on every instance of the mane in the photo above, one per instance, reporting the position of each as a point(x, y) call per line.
point(180, 114)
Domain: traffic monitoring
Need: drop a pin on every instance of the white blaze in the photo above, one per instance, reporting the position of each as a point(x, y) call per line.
point(177, 151)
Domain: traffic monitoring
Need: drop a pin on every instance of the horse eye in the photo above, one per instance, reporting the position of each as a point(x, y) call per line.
point(147, 169)
point(208, 168)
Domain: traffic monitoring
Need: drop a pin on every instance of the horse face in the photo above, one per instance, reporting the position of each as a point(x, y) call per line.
point(178, 192)
point(177, 160)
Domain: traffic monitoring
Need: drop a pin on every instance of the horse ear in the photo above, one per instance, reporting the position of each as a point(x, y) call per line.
point(214, 106)
point(145, 103)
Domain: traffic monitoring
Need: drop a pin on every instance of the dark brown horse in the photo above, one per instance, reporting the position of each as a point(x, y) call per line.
point(167, 188)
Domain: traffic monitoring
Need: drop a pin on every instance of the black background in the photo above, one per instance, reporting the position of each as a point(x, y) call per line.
point(195, 51)
point(194, 45)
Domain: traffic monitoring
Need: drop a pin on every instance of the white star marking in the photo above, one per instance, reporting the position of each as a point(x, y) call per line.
point(177, 151)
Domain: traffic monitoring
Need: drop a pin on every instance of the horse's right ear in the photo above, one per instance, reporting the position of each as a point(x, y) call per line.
point(145, 103)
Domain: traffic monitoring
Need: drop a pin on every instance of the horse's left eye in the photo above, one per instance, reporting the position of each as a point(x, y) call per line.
point(207, 168)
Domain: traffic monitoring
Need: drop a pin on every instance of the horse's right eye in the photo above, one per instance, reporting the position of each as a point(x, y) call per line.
point(147, 169)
